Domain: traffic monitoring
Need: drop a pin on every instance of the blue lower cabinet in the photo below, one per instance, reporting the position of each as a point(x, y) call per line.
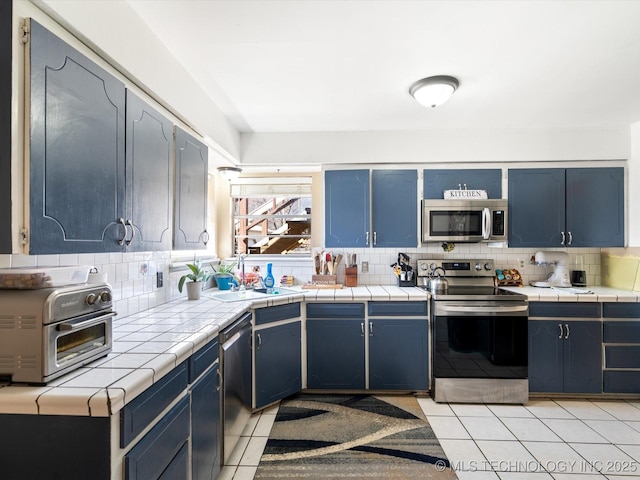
point(278, 362)
point(335, 354)
point(160, 453)
point(398, 354)
point(206, 428)
point(565, 356)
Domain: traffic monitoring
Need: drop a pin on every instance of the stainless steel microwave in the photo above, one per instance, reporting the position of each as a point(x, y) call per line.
point(464, 220)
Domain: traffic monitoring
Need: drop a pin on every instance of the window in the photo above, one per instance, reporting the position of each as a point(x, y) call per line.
point(272, 215)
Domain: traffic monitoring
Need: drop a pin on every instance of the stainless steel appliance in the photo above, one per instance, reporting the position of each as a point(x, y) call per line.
point(464, 220)
point(48, 332)
point(235, 363)
point(479, 335)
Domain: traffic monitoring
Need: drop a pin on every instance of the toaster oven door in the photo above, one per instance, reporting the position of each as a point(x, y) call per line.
point(74, 342)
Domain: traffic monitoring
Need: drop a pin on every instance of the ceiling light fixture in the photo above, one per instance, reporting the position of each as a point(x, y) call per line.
point(434, 91)
point(230, 172)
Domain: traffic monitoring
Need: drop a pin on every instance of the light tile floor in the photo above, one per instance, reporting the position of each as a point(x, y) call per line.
point(545, 439)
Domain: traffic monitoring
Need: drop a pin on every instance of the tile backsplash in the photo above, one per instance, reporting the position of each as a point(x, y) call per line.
point(133, 278)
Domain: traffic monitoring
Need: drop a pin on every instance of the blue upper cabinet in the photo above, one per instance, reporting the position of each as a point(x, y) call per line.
point(77, 161)
point(190, 216)
point(437, 181)
point(346, 208)
point(394, 208)
point(595, 207)
point(576, 207)
point(149, 176)
point(364, 208)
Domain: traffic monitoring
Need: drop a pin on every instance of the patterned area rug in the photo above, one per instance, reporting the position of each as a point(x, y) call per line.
point(352, 436)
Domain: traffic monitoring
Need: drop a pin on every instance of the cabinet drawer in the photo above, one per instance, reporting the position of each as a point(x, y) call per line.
point(397, 309)
point(622, 382)
point(622, 356)
point(140, 412)
point(335, 310)
point(202, 359)
point(564, 309)
point(161, 446)
point(279, 312)
point(621, 332)
point(621, 310)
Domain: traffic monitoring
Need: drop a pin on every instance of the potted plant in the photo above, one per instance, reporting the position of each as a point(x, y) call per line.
point(224, 274)
point(197, 276)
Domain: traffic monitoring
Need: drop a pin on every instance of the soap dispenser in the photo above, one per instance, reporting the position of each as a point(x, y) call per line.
point(269, 281)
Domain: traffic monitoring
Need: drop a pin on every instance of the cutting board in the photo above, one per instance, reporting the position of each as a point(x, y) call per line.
point(322, 286)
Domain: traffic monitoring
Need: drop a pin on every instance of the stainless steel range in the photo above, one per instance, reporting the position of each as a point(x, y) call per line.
point(45, 333)
point(479, 335)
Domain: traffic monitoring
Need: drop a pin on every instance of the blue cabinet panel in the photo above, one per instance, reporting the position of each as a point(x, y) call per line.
point(77, 162)
point(595, 207)
point(346, 208)
point(565, 309)
point(394, 208)
point(546, 356)
point(276, 313)
point(583, 357)
point(335, 354)
point(437, 181)
point(335, 310)
point(156, 451)
point(202, 359)
point(621, 381)
point(622, 356)
point(278, 362)
point(621, 332)
point(401, 308)
point(137, 414)
point(206, 428)
point(178, 469)
point(398, 354)
point(536, 207)
point(190, 215)
point(621, 310)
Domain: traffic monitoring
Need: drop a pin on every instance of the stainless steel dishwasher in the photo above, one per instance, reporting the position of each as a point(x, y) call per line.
point(235, 364)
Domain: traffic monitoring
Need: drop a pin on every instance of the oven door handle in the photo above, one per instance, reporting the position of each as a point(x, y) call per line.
point(482, 309)
point(68, 327)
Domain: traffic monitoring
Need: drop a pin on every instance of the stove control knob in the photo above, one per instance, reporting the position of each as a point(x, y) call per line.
point(423, 266)
point(92, 299)
point(478, 266)
point(488, 266)
point(433, 266)
point(105, 296)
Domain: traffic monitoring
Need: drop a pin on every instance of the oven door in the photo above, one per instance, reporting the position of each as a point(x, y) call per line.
point(480, 339)
point(74, 342)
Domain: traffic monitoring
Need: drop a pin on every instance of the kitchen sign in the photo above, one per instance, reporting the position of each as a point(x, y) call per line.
point(465, 194)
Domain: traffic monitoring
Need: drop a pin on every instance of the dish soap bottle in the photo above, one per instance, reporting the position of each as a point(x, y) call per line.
point(269, 281)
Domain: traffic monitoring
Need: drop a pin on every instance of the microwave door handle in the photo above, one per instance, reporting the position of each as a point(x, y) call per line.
point(486, 223)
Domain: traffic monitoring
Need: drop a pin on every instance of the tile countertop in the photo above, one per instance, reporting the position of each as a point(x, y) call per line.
point(600, 294)
point(149, 344)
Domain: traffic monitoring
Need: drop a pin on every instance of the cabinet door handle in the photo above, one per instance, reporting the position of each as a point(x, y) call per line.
point(561, 331)
point(570, 238)
point(371, 329)
point(375, 238)
point(562, 241)
point(366, 241)
point(219, 374)
point(566, 325)
point(259, 341)
point(205, 237)
point(133, 232)
point(124, 236)
point(362, 329)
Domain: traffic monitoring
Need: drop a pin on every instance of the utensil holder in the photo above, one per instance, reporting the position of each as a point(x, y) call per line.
point(351, 276)
point(407, 283)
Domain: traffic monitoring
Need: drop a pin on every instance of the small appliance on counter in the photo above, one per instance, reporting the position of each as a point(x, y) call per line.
point(560, 275)
point(578, 278)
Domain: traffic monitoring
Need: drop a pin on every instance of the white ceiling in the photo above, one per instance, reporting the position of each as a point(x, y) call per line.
point(314, 66)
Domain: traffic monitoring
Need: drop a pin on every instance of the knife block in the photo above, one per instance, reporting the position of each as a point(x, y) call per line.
point(350, 276)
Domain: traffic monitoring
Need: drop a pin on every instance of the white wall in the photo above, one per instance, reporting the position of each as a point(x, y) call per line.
point(436, 146)
point(633, 187)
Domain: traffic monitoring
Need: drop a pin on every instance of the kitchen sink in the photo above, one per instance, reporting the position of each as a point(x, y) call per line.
point(229, 296)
